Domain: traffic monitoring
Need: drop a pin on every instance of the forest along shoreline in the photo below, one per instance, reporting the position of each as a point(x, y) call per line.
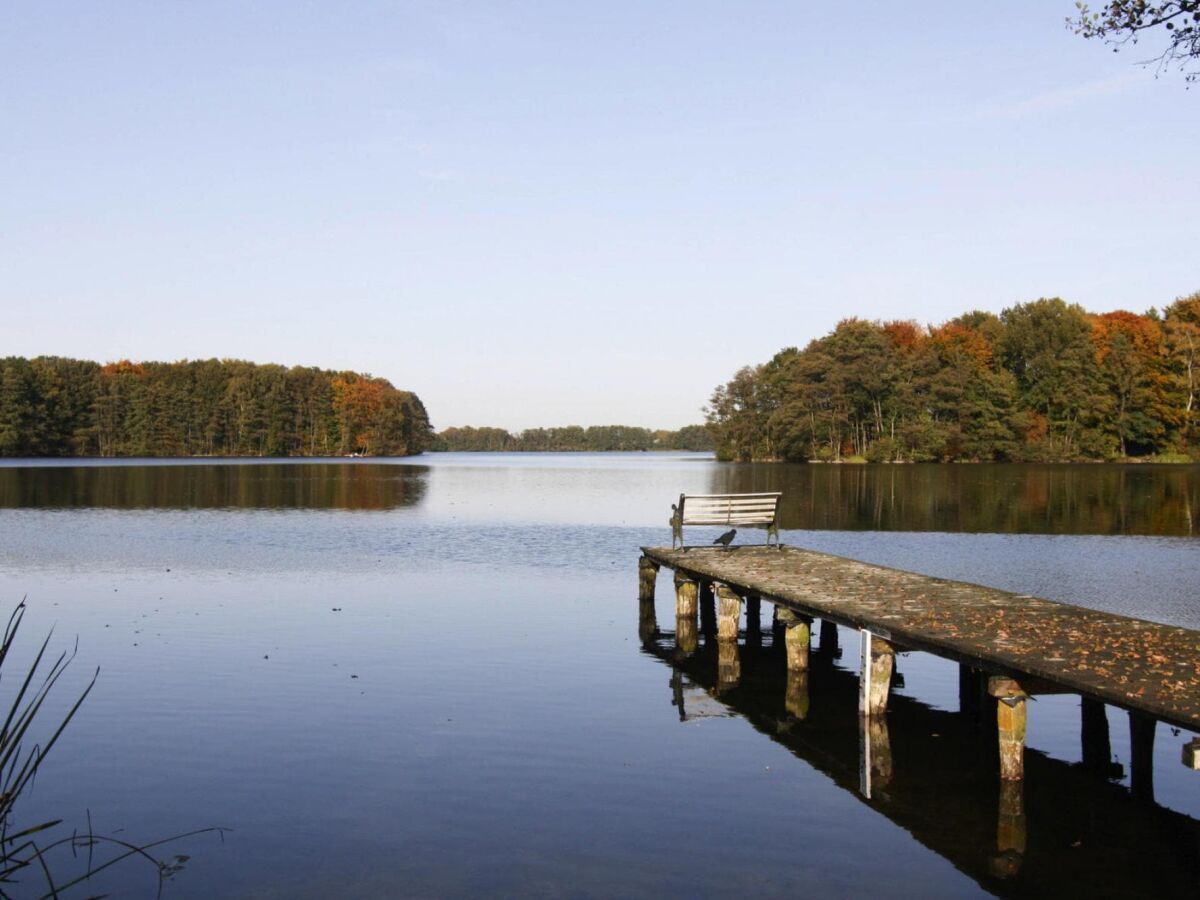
point(53, 406)
point(1044, 381)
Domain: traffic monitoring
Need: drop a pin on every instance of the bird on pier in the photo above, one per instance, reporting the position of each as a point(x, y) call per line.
point(727, 538)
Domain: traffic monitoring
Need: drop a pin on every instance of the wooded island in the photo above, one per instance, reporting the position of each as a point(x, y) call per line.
point(597, 438)
point(52, 406)
point(1042, 381)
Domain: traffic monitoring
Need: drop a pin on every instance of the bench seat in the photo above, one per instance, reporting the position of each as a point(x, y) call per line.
point(726, 510)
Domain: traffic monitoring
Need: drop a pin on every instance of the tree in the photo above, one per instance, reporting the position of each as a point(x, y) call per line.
point(1129, 352)
point(1047, 347)
point(1181, 322)
point(1121, 22)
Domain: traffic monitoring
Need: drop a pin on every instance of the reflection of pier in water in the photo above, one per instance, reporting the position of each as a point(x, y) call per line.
point(1067, 829)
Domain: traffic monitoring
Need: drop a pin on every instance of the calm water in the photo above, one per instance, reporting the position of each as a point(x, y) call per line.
point(425, 678)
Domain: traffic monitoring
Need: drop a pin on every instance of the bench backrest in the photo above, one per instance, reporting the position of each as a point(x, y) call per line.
point(728, 509)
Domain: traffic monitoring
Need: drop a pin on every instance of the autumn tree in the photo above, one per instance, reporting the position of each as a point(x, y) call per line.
point(1181, 322)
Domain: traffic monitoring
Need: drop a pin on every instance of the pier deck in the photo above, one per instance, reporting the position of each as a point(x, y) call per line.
point(1142, 666)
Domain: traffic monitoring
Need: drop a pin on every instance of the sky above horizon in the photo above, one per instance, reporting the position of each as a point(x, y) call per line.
point(547, 213)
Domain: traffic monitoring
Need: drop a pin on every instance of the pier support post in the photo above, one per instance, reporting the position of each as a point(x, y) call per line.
point(776, 622)
point(1010, 722)
point(972, 688)
point(647, 577)
point(827, 644)
point(685, 615)
point(729, 612)
point(1010, 830)
point(685, 596)
point(796, 638)
point(647, 623)
point(708, 611)
point(1093, 737)
point(1141, 755)
point(875, 676)
point(753, 620)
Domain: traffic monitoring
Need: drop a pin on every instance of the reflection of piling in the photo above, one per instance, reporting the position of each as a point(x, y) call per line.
point(677, 694)
point(729, 665)
point(1010, 830)
point(795, 698)
point(647, 621)
point(874, 755)
point(686, 638)
point(1010, 722)
point(1141, 755)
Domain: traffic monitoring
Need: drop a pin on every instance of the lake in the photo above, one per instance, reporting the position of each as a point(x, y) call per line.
point(424, 677)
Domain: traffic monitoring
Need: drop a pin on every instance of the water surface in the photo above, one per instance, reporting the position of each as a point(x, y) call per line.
point(425, 677)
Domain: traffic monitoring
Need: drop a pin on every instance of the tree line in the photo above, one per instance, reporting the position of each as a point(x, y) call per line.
point(574, 438)
point(52, 406)
point(1042, 381)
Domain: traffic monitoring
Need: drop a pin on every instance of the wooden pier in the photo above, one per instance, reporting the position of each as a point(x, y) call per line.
point(1011, 645)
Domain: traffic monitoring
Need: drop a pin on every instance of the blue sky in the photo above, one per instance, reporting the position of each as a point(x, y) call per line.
point(541, 213)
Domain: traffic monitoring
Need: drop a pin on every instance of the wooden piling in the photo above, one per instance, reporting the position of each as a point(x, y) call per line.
point(729, 613)
point(827, 643)
point(685, 596)
point(708, 611)
point(1010, 723)
point(1141, 755)
point(875, 678)
point(1093, 736)
point(753, 620)
point(647, 577)
point(797, 637)
point(972, 688)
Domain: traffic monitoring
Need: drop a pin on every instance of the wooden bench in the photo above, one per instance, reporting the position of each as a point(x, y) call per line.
point(732, 510)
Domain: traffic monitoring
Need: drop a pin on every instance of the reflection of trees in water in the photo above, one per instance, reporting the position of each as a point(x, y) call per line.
point(1050, 499)
point(363, 486)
